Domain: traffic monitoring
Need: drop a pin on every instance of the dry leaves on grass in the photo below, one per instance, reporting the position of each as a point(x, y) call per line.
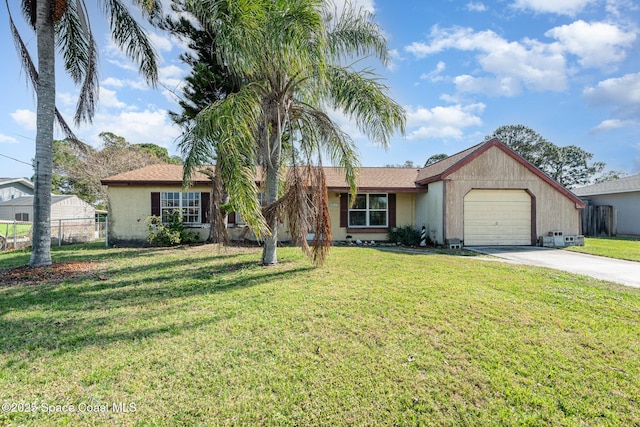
point(55, 273)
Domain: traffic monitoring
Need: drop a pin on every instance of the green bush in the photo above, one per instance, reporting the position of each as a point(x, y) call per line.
point(406, 235)
point(171, 233)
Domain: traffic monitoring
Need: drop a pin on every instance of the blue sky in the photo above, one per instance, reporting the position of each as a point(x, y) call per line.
point(568, 69)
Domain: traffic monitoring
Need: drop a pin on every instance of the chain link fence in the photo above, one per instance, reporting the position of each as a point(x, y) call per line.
point(17, 234)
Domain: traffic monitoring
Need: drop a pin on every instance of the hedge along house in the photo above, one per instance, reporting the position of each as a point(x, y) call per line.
point(485, 195)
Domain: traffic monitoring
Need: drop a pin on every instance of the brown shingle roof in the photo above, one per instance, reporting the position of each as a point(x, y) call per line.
point(433, 172)
point(400, 179)
point(161, 174)
point(372, 178)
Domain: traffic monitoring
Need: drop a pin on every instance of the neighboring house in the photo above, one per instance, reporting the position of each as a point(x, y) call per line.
point(72, 219)
point(486, 195)
point(623, 195)
point(11, 188)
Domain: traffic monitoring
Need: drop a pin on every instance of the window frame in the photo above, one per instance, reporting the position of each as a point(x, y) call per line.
point(368, 210)
point(183, 205)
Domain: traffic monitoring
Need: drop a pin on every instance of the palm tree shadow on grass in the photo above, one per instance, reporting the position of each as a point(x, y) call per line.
point(152, 299)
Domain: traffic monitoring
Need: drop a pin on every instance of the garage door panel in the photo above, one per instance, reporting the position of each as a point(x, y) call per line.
point(497, 217)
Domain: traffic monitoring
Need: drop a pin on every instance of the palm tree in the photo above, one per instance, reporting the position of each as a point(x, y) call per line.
point(289, 54)
point(64, 24)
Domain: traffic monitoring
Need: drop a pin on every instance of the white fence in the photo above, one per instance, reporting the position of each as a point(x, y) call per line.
point(17, 234)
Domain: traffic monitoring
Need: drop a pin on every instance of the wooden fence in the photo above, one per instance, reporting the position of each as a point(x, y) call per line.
point(599, 221)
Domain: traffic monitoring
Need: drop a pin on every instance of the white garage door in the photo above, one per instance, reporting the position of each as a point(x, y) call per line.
point(497, 217)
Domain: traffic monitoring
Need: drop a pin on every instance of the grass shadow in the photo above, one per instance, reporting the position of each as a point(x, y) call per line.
point(128, 302)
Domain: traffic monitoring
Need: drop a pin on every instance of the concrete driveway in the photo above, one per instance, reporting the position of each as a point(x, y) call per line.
point(613, 270)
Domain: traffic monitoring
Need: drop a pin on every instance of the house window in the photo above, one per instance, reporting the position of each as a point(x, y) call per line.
point(22, 217)
point(187, 203)
point(369, 210)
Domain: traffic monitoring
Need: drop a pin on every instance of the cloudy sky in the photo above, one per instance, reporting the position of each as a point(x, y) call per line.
point(569, 69)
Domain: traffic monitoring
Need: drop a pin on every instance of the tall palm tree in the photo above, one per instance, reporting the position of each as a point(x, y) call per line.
point(64, 24)
point(289, 54)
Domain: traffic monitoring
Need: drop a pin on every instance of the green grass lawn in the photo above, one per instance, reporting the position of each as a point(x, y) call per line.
point(7, 229)
point(613, 247)
point(199, 336)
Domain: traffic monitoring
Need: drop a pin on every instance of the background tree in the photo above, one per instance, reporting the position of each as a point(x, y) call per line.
point(435, 159)
point(208, 82)
point(569, 165)
point(288, 55)
point(408, 164)
point(610, 176)
point(64, 24)
point(79, 171)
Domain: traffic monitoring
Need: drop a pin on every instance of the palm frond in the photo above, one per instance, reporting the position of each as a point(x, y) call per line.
point(32, 73)
point(363, 97)
point(79, 51)
point(322, 135)
point(132, 39)
point(352, 32)
point(227, 129)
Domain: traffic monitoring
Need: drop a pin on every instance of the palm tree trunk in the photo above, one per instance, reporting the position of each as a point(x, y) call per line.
point(272, 165)
point(269, 251)
point(46, 94)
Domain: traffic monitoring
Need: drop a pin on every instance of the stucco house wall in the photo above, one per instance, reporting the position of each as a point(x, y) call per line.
point(130, 206)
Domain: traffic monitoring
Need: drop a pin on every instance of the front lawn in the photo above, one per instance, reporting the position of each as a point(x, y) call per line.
point(613, 247)
point(199, 336)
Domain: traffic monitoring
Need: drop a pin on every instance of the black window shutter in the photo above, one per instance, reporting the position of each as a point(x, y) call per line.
point(231, 218)
point(155, 203)
point(205, 201)
point(344, 209)
point(392, 210)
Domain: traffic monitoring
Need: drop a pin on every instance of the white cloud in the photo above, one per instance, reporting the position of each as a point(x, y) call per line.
point(160, 42)
point(442, 122)
point(113, 82)
point(536, 65)
point(137, 127)
point(66, 99)
point(476, 7)
point(109, 98)
point(623, 92)
point(368, 5)
point(25, 118)
point(4, 139)
point(560, 7)
point(434, 75)
point(612, 124)
point(502, 86)
point(597, 44)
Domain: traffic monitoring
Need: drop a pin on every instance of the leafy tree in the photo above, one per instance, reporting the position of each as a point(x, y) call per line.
point(288, 55)
point(569, 165)
point(610, 176)
point(435, 159)
point(209, 81)
point(408, 164)
point(160, 152)
point(64, 24)
point(80, 171)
